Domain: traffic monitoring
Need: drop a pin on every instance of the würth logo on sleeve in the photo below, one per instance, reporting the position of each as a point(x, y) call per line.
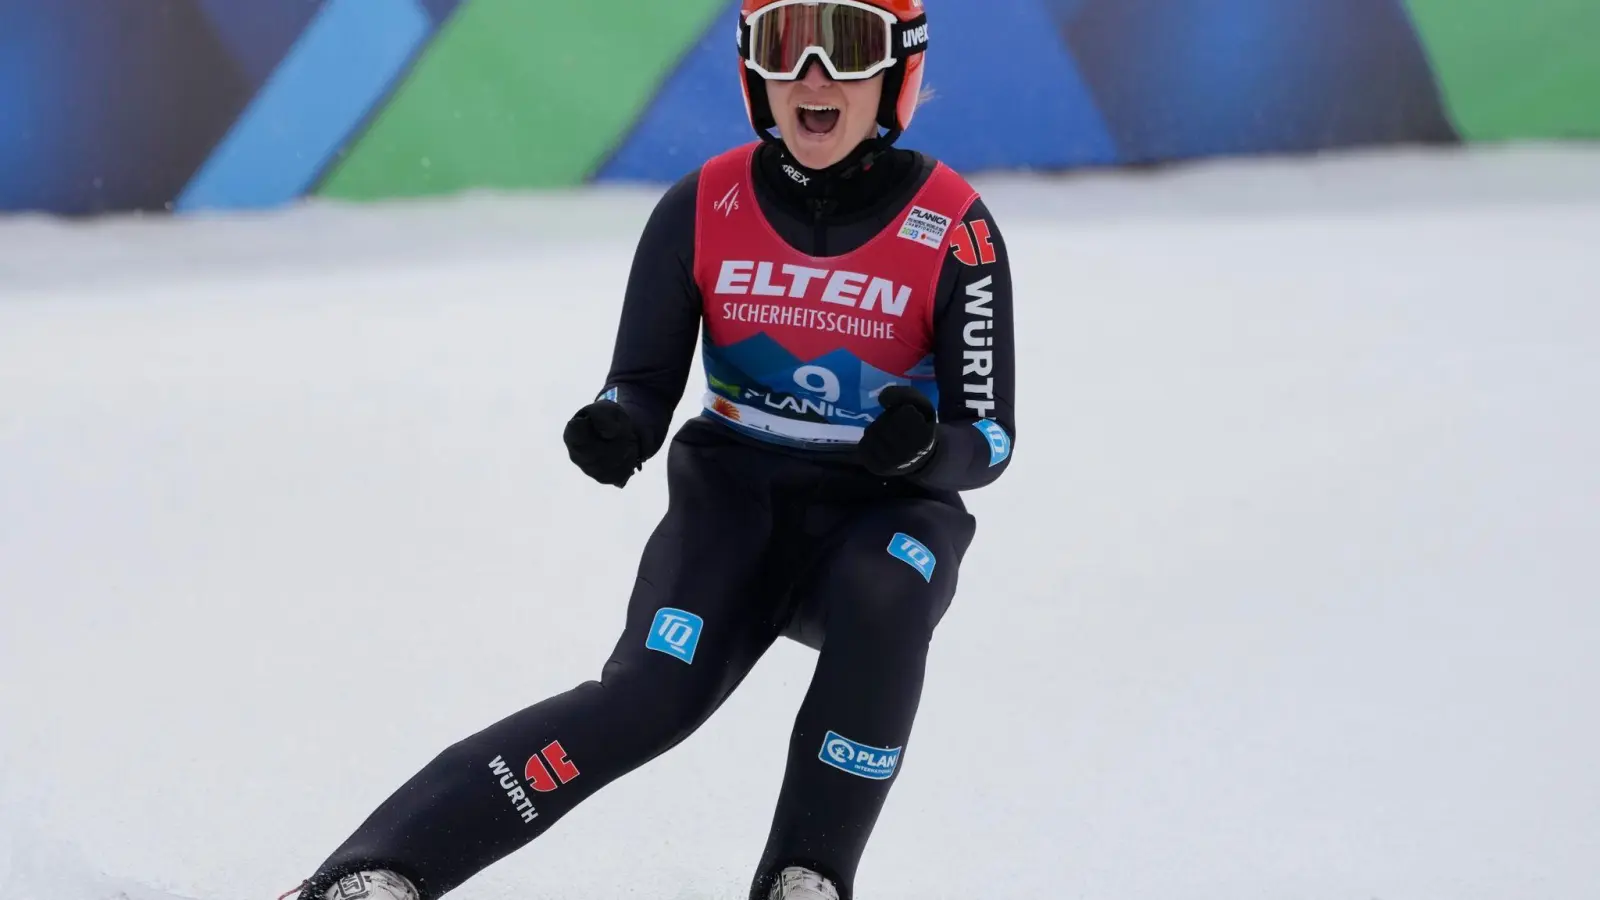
point(544, 772)
point(972, 243)
point(977, 332)
point(925, 227)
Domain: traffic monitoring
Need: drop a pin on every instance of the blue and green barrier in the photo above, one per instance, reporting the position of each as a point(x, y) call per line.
point(186, 105)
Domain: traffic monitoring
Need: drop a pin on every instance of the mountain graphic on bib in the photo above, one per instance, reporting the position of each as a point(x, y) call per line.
point(759, 376)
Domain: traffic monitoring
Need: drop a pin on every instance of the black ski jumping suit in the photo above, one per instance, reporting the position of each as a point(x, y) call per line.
point(760, 540)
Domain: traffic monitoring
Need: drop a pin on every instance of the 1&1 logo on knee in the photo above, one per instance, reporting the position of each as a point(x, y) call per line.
point(675, 633)
point(877, 763)
point(913, 553)
point(999, 441)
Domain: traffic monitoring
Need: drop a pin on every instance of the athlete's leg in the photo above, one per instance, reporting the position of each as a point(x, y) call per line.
point(879, 594)
point(693, 631)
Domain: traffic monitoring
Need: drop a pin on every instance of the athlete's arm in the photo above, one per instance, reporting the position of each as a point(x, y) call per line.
point(974, 359)
point(660, 321)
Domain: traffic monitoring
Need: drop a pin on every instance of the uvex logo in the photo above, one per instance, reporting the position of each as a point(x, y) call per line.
point(914, 37)
point(749, 277)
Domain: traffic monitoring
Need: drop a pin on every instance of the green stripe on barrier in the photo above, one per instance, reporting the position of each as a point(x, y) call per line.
point(520, 94)
point(1515, 68)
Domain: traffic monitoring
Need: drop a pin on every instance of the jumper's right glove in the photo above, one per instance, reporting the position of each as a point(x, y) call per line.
point(602, 441)
point(902, 440)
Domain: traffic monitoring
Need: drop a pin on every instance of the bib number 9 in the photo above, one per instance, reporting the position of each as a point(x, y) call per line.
point(818, 380)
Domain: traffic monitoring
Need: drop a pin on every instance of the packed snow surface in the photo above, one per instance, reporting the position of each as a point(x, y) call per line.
point(1291, 591)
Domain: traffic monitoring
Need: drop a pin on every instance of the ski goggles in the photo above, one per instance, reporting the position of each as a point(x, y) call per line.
point(852, 40)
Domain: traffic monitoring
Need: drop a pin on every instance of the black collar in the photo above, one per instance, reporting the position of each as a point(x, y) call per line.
point(853, 185)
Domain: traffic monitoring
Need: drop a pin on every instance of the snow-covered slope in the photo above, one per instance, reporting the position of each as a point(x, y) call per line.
point(1291, 591)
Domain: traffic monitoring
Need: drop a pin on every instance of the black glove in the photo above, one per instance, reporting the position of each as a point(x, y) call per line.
point(902, 440)
point(602, 441)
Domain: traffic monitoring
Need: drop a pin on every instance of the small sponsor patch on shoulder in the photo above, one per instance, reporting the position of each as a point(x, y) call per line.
point(925, 227)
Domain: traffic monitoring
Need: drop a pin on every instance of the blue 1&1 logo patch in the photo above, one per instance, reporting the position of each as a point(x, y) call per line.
point(675, 633)
point(913, 553)
point(877, 763)
point(999, 441)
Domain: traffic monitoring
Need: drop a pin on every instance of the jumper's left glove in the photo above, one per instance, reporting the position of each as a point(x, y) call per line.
point(902, 440)
point(602, 441)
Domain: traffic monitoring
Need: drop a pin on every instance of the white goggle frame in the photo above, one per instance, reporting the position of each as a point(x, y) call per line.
point(889, 22)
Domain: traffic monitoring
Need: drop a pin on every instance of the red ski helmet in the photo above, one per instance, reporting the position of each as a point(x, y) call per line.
point(779, 38)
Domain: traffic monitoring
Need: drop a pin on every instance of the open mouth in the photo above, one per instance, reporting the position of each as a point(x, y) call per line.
point(818, 119)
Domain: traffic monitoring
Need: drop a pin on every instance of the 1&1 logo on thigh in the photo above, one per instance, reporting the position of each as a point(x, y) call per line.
point(676, 633)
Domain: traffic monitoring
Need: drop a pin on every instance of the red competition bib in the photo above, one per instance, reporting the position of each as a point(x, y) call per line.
point(797, 347)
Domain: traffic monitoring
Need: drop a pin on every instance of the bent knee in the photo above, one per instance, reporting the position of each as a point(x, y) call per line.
point(661, 710)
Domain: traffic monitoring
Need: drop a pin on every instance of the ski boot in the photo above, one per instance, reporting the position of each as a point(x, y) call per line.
point(380, 884)
point(798, 883)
